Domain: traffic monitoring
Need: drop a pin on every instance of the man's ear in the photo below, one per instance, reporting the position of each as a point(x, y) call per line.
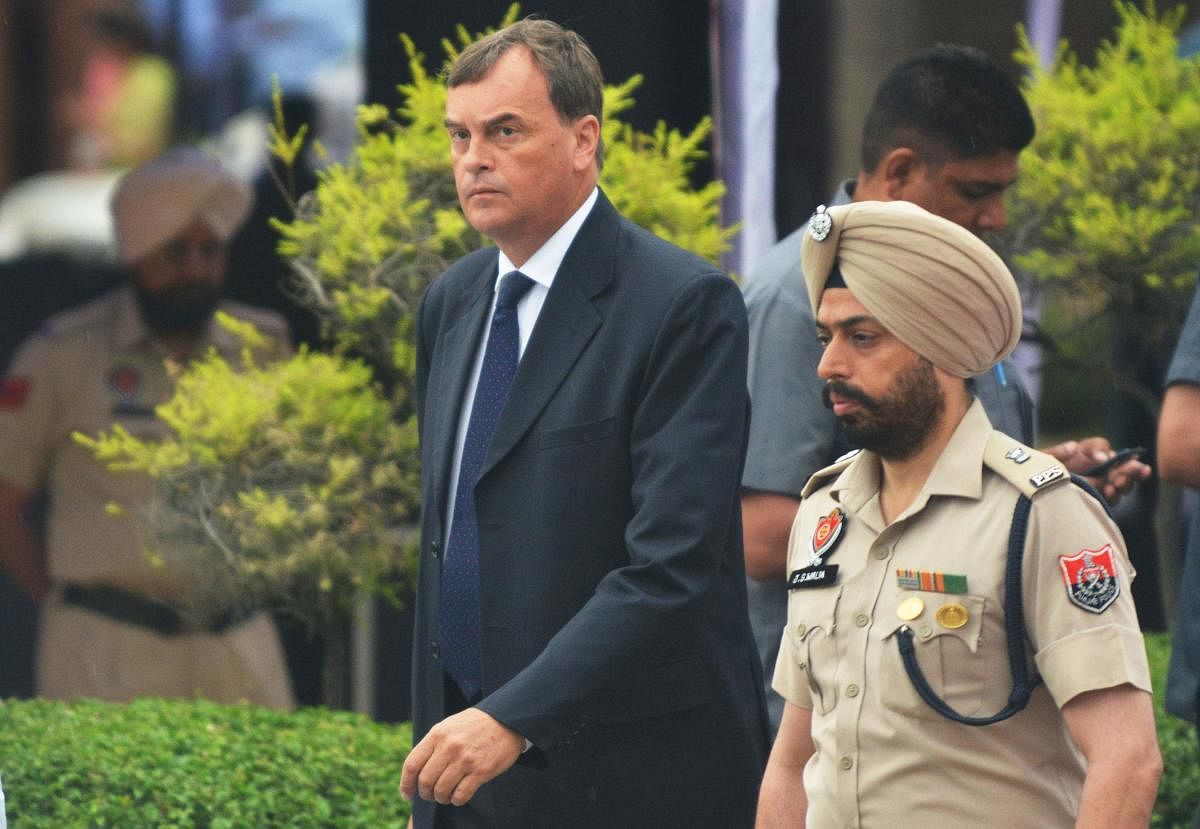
point(899, 169)
point(586, 130)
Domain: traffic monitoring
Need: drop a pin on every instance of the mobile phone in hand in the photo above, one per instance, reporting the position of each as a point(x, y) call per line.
point(1121, 457)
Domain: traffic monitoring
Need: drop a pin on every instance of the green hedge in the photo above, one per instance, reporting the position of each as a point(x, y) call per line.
point(170, 763)
point(166, 763)
point(1179, 791)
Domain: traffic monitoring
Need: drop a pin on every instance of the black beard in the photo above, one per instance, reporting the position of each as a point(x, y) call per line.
point(899, 424)
point(180, 309)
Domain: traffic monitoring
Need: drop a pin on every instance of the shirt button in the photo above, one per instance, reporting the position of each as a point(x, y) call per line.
point(434, 649)
point(851, 690)
point(862, 620)
point(435, 550)
point(882, 552)
point(925, 631)
point(846, 763)
point(801, 630)
point(803, 665)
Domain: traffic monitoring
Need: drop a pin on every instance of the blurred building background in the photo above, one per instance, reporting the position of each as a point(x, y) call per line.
point(788, 82)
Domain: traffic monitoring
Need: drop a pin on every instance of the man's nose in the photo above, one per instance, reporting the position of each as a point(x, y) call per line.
point(993, 216)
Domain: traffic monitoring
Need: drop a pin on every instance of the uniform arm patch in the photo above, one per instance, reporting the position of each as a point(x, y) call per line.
point(1091, 578)
point(13, 392)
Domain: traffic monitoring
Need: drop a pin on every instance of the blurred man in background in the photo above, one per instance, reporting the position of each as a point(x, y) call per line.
point(114, 626)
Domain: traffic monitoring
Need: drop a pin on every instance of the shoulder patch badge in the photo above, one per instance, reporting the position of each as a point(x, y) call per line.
point(827, 534)
point(13, 392)
point(1091, 578)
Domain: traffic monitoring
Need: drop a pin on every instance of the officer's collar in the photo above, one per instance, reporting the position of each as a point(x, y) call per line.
point(131, 330)
point(958, 471)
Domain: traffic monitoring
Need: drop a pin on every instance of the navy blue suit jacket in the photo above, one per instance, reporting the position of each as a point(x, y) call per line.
point(614, 628)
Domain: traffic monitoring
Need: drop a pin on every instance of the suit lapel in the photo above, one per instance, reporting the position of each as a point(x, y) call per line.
point(453, 357)
point(565, 325)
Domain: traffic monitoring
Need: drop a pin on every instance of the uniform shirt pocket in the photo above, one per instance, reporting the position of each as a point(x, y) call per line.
point(812, 615)
point(949, 644)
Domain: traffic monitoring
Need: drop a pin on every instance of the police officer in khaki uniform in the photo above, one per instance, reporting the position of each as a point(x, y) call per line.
point(114, 626)
point(903, 546)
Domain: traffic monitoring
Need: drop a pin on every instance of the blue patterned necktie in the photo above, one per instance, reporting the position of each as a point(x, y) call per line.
point(459, 601)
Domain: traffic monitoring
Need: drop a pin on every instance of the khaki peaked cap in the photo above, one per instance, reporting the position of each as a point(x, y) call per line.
point(935, 285)
point(159, 199)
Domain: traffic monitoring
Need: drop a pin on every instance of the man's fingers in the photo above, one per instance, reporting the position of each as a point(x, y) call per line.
point(413, 764)
point(440, 774)
point(466, 789)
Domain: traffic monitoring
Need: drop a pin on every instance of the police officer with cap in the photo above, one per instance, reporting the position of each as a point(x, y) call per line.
point(921, 689)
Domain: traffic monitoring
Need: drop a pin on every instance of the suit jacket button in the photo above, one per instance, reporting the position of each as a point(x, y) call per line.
point(434, 649)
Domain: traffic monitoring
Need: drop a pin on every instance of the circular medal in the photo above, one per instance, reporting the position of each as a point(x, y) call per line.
point(952, 616)
point(910, 608)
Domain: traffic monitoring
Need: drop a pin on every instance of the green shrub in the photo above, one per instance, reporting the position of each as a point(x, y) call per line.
point(1105, 214)
point(184, 764)
point(177, 763)
point(1179, 791)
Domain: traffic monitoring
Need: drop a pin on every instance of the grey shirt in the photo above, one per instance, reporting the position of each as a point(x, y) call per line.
point(1183, 675)
point(792, 433)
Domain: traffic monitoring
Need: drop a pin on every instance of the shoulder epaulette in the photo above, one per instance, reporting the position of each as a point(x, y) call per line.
point(821, 476)
point(1027, 469)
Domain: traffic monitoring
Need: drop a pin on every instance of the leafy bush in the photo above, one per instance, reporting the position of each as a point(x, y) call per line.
point(294, 475)
point(1179, 790)
point(181, 764)
point(1106, 213)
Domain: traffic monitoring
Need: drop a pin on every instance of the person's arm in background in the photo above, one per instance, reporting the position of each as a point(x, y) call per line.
point(766, 524)
point(20, 555)
point(1178, 453)
point(792, 432)
point(1080, 455)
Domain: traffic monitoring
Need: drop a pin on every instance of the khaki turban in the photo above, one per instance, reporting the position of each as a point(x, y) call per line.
point(940, 289)
point(156, 201)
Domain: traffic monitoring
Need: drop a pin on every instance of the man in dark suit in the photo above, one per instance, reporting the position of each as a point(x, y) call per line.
point(582, 653)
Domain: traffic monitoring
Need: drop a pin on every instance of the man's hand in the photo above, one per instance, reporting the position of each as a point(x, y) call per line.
point(1080, 455)
point(459, 755)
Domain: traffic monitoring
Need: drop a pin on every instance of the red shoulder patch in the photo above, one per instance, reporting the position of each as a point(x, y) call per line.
point(1091, 578)
point(13, 391)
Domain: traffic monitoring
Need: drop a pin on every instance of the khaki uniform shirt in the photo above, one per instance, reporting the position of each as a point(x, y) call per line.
point(885, 758)
point(87, 370)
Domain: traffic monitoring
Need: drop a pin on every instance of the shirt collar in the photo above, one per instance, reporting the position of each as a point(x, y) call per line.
point(131, 330)
point(544, 263)
point(958, 471)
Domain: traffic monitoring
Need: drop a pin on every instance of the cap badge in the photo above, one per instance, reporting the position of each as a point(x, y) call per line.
point(820, 224)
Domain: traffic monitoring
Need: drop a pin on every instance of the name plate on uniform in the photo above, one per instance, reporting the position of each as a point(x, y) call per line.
point(818, 576)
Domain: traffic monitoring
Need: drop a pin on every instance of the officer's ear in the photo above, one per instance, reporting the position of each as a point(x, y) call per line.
point(899, 170)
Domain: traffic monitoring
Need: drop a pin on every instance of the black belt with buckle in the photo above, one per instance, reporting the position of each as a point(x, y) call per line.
point(152, 614)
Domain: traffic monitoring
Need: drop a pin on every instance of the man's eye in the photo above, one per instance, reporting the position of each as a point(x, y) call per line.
point(974, 194)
